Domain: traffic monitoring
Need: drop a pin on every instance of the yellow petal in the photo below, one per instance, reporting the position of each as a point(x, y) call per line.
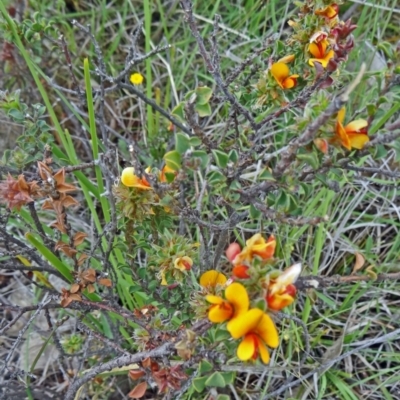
point(266, 329)
point(255, 240)
point(246, 348)
point(287, 59)
point(163, 279)
point(128, 178)
point(214, 299)
point(279, 71)
point(290, 81)
point(212, 278)
point(327, 57)
point(341, 114)
point(220, 313)
point(264, 353)
point(358, 140)
point(356, 126)
point(244, 323)
point(237, 295)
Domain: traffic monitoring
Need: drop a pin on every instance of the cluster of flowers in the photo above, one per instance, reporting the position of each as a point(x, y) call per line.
point(252, 325)
point(129, 179)
point(328, 45)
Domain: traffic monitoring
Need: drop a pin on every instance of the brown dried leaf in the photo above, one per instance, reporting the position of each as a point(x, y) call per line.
point(75, 288)
point(105, 282)
point(59, 225)
point(47, 205)
point(68, 201)
point(90, 288)
point(89, 275)
point(146, 363)
point(61, 186)
point(44, 171)
point(76, 297)
point(136, 374)
point(82, 258)
point(360, 261)
point(65, 248)
point(138, 391)
point(79, 237)
point(65, 302)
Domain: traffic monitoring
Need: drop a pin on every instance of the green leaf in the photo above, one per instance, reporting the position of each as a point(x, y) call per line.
point(327, 300)
point(221, 158)
point(178, 112)
point(380, 152)
point(202, 155)
point(16, 115)
point(216, 380)
point(384, 119)
point(50, 257)
point(182, 142)
point(282, 199)
point(229, 377)
point(173, 160)
point(223, 397)
point(205, 366)
point(310, 159)
point(233, 156)
point(199, 383)
point(195, 141)
point(204, 110)
point(371, 109)
point(204, 94)
point(254, 213)
point(215, 177)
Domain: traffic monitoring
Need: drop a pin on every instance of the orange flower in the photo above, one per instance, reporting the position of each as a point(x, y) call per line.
point(281, 291)
point(128, 178)
point(256, 246)
point(319, 51)
point(280, 71)
point(258, 331)
point(240, 271)
point(329, 12)
point(236, 303)
point(353, 135)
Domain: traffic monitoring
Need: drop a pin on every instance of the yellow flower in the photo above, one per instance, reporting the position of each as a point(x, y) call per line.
point(136, 78)
point(128, 178)
point(281, 291)
point(280, 71)
point(212, 278)
point(258, 331)
point(329, 12)
point(183, 263)
point(236, 303)
point(353, 135)
point(256, 246)
point(319, 51)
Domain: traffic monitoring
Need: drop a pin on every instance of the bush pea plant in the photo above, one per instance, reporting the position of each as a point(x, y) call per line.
point(201, 202)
